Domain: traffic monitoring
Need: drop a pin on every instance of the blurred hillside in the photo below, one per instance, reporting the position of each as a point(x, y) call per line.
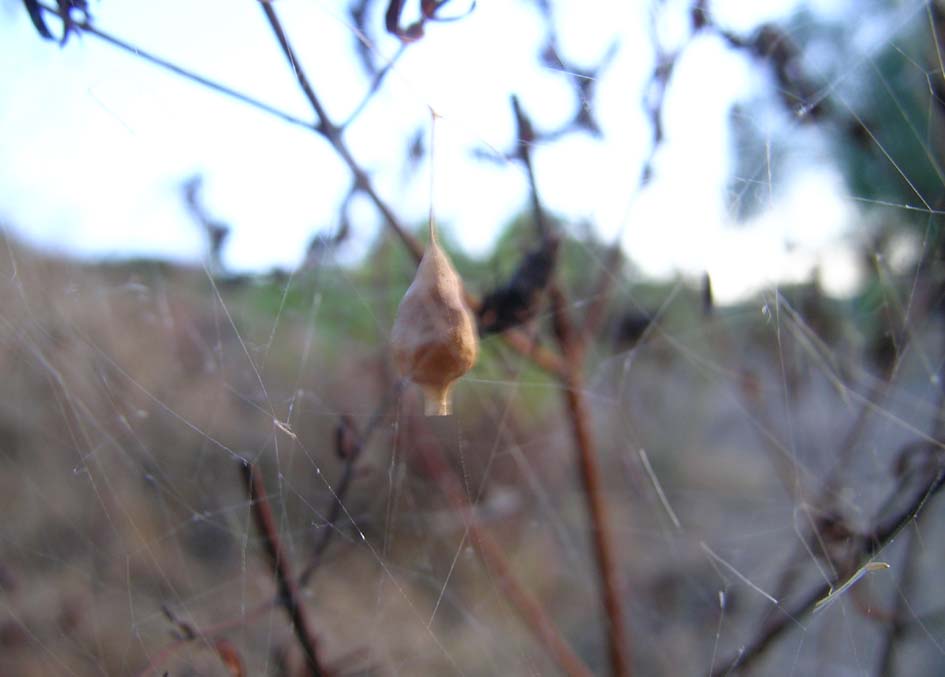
point(133, 390)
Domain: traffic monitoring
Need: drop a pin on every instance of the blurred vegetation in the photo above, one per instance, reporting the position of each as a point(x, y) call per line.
point(133, 392)
point(155, 391)
point(880, 120)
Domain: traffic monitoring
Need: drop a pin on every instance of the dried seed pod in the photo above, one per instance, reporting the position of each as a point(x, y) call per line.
point(434, 336)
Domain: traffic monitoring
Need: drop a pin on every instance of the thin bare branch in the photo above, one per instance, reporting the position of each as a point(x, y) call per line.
point(897, 626)
point(517, 340)
point(288, 588)
point(86, 26)
point(601, 530)
point(376, 82)
point(332, 134)
point(187, 633)
point(579, 419)
point(493, 556)
point(349, 445)
point(871, 545)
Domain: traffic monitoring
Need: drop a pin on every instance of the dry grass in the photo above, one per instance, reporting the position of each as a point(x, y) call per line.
point(128, 395)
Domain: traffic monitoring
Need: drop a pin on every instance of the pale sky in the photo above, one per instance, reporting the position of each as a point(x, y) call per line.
point(95, 143)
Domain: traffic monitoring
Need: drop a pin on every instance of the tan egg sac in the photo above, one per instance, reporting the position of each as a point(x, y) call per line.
point(434, 336)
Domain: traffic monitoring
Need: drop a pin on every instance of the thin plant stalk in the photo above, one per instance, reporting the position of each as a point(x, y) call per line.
point(493, 556)
point(579, 420)
point(288, 587)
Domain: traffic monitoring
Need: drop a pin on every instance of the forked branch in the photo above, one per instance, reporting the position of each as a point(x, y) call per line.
point(333, 134)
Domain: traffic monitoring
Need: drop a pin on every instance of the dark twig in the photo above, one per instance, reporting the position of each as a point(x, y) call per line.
point(66, 11)
point(517, 301)
point(517, 340)
point(583, 80)
point(595, 314)
point(579, 418)
point(288, 588)
point(86, 26)
point(376, 82)
point(825, 498)
point(359, 11)
point(870, 546)
point(601, 530)
point(185, 630)
point(324, 124)
point(526, 137)
point(188, 633)
point(826, 494)
point(653, 99)
point(333, 134)
point(428, 12)
point(897, 626)
point(406, 34)
point(349, 445)
point(36, 16)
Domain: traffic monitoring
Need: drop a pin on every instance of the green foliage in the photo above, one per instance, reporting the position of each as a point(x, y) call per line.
point(890, 153)
point(879, 122)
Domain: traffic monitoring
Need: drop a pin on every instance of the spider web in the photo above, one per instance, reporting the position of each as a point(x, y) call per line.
point(762, 461)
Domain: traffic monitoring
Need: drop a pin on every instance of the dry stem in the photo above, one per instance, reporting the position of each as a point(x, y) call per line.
point(871, 545)
point(288, 588)
point(493, 556)
point(333, 134)
point(579, 419)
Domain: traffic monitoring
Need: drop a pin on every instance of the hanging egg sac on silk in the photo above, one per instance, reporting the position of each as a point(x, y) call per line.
point(434, 338)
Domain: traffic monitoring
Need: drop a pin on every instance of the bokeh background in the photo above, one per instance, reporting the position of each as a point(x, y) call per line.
point(706, 234)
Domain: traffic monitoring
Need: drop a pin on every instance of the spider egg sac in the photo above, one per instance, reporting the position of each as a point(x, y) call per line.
point(434, 337)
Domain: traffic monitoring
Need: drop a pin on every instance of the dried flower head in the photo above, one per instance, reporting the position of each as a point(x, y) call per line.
point(434, 336)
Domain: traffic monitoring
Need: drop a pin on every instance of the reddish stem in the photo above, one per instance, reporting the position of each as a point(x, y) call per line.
point(579, 418)
point(288, 589)
point(493, 556)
